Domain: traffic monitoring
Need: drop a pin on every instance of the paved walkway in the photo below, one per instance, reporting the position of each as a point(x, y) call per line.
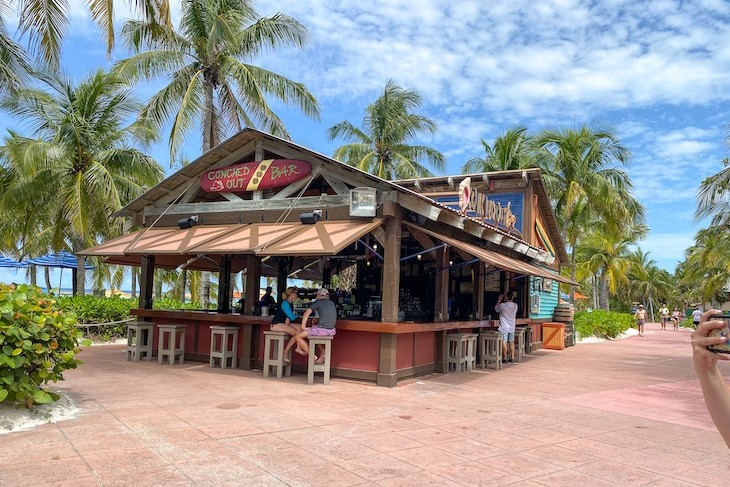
point(617, 413)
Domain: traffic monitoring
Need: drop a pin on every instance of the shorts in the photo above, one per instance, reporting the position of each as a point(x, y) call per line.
point(508, 336)
point(316, 331)
point(696, 323)
point(640, 322)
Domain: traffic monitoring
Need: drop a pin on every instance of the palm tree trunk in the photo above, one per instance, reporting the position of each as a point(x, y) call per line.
point(184, 278)
point(207, 144)
point(32, 275)
point(596, 304)
point(651, 307)
point(47, 275)
point(80, 276)
point(603, 284)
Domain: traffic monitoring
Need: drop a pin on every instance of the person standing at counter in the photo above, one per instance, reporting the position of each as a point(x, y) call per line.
point(268, 300)
point(325, 325)
point(283, 319)
point(507, 321)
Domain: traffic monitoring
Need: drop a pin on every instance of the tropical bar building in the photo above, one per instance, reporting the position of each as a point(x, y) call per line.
point(431, 255)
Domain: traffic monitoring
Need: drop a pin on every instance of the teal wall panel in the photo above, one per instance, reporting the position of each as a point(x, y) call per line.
point(548, 298)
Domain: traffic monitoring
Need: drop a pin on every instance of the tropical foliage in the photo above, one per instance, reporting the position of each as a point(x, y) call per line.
point(207, 60)
point(79, 167)
point(602, 324)
point(511, 150)
point(38, 342)
point(382, 147)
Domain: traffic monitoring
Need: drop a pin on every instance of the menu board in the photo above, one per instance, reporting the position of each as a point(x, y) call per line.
point(491, 281)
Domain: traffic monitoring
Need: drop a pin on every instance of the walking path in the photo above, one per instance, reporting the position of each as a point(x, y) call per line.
point(624, 413)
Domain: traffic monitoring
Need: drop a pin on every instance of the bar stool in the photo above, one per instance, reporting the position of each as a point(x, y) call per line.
point(224, 351)
point(275, 341)
point(323, 367)
point(139, 340)
point(470, 356)
point(456, 349)
point(175, 343)
point(519, 344)
point(491, 347)
point(528, 339)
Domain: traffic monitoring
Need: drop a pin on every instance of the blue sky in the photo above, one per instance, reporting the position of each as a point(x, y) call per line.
point(658, 71)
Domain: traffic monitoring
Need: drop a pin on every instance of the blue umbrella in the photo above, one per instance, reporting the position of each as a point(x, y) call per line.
point(64, 260)
point(11, 263)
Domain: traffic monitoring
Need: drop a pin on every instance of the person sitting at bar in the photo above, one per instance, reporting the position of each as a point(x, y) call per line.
point(507, 321)
point(325, 325)
point(268, 300)
point(283, 319)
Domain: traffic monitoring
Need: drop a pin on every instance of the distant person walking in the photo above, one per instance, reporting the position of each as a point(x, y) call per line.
point(664, 315)
point(676, 316)
point(507, 321)
point(696, 317)
point(640, 317)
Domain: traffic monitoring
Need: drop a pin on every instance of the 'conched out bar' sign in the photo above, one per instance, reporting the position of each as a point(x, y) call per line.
point(252, 176)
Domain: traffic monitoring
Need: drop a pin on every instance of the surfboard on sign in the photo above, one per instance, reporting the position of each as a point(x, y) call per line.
point(255, 175)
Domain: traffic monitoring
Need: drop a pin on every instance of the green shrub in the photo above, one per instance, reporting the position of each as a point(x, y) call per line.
point(92, 309)
point(170, 303)
point(38, 342)
point(603, 324)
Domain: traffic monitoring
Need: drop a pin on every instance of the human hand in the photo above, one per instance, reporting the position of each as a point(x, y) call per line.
point(706, 361)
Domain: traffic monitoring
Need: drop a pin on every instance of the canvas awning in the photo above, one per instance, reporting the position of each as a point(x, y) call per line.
point(321, 238)
point(494, 258)
point(174, 246)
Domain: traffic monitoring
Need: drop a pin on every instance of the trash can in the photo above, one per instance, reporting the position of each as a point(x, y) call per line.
point(553, 336)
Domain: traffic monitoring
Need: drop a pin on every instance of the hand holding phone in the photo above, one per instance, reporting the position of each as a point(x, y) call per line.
point(718, 332)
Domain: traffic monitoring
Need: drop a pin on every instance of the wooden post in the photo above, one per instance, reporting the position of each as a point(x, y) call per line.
point(224, 286)
point(146, 281)
point(281, 279)
point(441, 301)
point(481, 270)
point(387, 376)
point(391, 271)
point(253, 278)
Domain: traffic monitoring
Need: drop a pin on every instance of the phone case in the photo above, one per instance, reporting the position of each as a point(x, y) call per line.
point(724, 332)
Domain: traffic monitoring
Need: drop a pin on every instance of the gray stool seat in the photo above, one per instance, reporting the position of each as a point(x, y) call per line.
point(275, 341)
point(139, 340)
point(225, 350)
point(490, 344)
point(326, 341)
point(519, 344)
point(471, 350)
point(174, 346)
point(456, 352)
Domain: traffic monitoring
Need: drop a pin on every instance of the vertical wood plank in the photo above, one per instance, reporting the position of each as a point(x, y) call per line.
point(391, 270)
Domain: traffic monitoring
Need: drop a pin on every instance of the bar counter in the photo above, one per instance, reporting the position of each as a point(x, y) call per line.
point(381, 352)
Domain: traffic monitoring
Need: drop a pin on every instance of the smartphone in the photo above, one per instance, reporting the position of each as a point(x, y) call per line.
point(720, 332)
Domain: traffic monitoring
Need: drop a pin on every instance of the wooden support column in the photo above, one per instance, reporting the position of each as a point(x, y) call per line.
point(224, 286)
point(441, 301)
point(391, 271)
point(481, 270)
point(249, 334)
point(281, 278)
point(146, 281)
point(387, 376)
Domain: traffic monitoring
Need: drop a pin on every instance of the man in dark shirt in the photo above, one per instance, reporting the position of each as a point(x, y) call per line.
point(268, 300)
point(325, 325)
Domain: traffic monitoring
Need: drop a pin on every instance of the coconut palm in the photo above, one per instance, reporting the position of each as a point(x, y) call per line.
point(212, 83)
point(46, 22)
point(382, 147)
point(511, 150)
point(210, 79)
point(80, 166)
point(707, 264)
point(583, 174)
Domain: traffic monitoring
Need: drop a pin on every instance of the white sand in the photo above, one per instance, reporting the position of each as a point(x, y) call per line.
point(594, 339)
point(16, 418)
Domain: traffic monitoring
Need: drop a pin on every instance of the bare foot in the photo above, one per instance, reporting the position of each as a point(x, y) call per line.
point(319, 360)
point(301, 352)
point(287, 360)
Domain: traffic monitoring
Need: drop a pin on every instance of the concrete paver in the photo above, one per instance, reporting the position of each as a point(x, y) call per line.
point(628, 412)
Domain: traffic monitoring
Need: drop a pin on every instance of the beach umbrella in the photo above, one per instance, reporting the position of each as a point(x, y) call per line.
point(63, 260)
point(12, 263)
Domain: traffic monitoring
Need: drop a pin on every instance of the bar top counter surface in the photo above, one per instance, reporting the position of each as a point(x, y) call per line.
point(342, 324)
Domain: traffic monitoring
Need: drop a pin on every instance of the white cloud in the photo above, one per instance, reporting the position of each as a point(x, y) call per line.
point(668, 246)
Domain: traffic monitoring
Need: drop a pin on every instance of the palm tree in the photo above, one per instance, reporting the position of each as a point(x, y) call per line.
point(381, 146)
point(80, 166)
point(707, 264)
point(211, 80)
point(583, 176)
point(511, 150)
point(207, 63)
point(46, 22)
